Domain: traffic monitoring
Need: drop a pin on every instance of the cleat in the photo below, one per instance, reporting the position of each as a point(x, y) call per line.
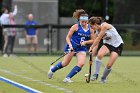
point(50, 73)
point(67, 80)
point(103, 80)
point(12, 55)
point(5, 55)
point(95, 77)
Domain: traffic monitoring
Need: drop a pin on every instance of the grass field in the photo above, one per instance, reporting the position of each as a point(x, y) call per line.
point(32, 72)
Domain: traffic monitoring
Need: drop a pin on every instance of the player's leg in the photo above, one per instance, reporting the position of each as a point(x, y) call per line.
point(81, 56)
point(97, 63)
point(28, 41)
point(6, 45)
point(5, 37)
point(35, 43)
point(107, 70)
point(65, 62)
point(94, 51)
point(12, 44)
point(5, 42)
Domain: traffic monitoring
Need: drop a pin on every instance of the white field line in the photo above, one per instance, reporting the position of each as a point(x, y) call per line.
point(21, 86)
point(37, 81)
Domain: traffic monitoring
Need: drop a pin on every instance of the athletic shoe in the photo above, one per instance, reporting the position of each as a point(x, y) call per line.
point(67, 80)
point(95, 77)
point(50, 73)
point(13, 55)
point(103, 80)
point(5, 55)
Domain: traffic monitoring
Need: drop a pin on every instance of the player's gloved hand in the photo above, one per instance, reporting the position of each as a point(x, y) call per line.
point(83, 43)
point(70, 48)
point(90, 49)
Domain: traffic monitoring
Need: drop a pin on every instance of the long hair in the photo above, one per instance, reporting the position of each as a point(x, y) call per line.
point(97, 20)
point(78, 13)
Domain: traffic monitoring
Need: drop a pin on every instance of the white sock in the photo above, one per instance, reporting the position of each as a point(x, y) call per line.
point(106, 72)
point(97, 65)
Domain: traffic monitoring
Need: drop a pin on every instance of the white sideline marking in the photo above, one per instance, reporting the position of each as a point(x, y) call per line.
point(37, 81)
point(23, 87)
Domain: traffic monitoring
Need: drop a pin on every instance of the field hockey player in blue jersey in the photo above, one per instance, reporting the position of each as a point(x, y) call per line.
point(77, 38)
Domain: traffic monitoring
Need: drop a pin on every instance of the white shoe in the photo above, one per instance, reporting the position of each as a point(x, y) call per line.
point(67, 80)
point(5, 55)
point(12, 55)
point(95, 77)
point(103, 80)
point(50, 73)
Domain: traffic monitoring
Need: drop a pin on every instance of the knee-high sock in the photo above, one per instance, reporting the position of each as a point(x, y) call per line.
point(57, 66)
point(106, 72)
point(97, 65)
point(74, 71)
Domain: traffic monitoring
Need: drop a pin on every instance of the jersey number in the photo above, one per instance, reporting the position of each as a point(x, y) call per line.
point(82, 39)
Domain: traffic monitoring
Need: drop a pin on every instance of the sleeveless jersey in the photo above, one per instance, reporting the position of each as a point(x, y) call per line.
point(112, 37)
point(77, 37)
point(80, 35)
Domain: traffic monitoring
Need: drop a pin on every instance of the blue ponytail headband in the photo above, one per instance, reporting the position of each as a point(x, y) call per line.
point(83, 18)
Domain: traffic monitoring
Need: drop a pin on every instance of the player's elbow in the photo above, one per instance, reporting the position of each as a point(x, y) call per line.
point(67, 38)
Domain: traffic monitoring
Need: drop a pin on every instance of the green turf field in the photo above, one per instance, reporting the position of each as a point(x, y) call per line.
point(32, 72)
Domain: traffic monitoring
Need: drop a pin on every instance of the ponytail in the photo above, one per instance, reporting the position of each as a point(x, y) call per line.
point(78, 13)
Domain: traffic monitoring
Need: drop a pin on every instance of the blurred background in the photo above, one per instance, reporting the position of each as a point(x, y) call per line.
point(56, 16)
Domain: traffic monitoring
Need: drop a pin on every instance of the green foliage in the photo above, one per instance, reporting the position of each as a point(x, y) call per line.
point(7, 4)
point(66, 7)
point(129, 12)
point(128, 40)
point(93, 7)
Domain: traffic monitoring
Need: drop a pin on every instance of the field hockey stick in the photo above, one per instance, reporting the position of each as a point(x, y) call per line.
point(59, 58)
point(64, 55)
point(90, 65)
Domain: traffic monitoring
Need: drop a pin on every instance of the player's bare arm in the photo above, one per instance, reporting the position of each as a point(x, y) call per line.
point(71, 31)
point(99, 37)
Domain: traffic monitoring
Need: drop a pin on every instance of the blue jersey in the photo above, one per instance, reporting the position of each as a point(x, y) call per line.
point(31, 31)
point(77, 37)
